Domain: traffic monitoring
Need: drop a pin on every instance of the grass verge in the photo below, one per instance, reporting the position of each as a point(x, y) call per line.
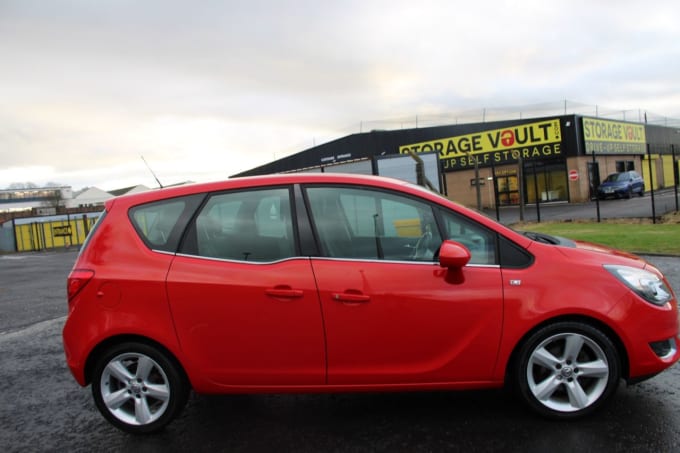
point(632, 235)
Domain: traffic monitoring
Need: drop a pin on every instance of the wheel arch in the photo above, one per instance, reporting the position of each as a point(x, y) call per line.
point(129, 338)
point(596, 323)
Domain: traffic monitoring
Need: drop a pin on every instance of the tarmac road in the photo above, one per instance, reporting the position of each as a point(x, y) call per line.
point(636, 207)
point(43, 409)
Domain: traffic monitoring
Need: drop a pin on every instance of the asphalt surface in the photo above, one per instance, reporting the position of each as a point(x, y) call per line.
point(636, 207)
point(43, 409)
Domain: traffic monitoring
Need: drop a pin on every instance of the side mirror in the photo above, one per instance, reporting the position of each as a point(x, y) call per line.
point(453, 255)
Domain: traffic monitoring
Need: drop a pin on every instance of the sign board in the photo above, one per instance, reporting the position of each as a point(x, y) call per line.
point(61, 230)
point(573, 175)
point(613, 137)
point(540, 139)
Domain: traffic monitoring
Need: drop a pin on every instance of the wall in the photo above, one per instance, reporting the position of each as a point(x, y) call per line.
point(46, 234)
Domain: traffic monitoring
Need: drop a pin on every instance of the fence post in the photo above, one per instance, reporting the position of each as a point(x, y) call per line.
point(595, 167)
point(675, 177)
point(651, 182)
point(86, 226)
point(538, 198)
point(14, 233)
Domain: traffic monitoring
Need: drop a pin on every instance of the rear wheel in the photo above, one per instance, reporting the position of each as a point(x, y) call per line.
point(138, 388)
point(567, 370)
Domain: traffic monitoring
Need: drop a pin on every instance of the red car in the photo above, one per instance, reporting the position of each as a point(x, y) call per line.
point(329, 283)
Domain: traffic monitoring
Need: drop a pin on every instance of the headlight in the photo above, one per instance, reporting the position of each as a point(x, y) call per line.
point(643, 283)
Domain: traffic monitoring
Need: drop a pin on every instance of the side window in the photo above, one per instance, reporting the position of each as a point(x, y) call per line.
point(251, 225)
point(480, 241)
point(155, 222)
point(371, 224)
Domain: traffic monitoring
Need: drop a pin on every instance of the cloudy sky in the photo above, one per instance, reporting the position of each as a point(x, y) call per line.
point(205, 89)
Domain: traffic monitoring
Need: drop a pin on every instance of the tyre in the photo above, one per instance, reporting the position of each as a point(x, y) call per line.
point(567, 370)
point(138, 388)
point(629, 194)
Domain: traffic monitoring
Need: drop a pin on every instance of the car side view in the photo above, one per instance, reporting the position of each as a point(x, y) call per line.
point(621, 185)
point(347, 283)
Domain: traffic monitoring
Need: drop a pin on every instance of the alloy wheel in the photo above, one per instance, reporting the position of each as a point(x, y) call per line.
point(567, 372)
point(135, 389)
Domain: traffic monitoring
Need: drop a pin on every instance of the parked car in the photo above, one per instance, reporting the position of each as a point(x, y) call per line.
point(619, 185)
point(335, 283)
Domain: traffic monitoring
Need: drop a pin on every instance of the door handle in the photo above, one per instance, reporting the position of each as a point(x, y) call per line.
point(285, 293)
point(351, 298)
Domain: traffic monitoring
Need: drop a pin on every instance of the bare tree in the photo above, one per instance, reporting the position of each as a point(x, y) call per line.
point(22, 185)
point(54, 200)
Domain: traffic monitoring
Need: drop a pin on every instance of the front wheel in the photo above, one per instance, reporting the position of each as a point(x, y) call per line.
point(567, 370)
point(138, 388)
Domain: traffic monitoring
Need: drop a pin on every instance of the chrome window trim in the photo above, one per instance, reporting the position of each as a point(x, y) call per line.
point(325, 258)
point(425, 263)
point(227, 260)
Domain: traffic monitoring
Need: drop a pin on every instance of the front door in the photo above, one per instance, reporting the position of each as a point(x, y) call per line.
point(392, 314)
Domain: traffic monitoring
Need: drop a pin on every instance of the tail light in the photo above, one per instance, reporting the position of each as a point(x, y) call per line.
point(77, 280)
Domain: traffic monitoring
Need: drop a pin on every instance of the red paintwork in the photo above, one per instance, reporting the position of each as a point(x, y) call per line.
point(238, 327)
point(316, 324)
point(422, 323)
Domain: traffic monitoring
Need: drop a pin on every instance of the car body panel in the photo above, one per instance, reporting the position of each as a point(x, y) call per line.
point(120, 300)
point(396, 325)
point(600, 297)
point(248, 324)
point(405, 323)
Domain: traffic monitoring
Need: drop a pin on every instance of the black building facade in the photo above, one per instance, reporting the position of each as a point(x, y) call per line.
point(550, 159)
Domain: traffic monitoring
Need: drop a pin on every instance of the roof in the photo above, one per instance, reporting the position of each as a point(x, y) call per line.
point(254, 181)
point(128, 190)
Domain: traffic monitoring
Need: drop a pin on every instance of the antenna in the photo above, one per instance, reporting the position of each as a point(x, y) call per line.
point(154, 174)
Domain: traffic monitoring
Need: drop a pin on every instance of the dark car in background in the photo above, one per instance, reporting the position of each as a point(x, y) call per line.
point(623, 184)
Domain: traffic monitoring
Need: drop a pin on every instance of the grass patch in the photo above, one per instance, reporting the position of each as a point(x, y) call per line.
point(637, 236)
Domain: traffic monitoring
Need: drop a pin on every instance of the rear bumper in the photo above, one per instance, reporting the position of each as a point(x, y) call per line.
point(76, 366)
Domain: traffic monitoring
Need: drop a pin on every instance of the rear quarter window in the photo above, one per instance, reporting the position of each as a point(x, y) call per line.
point(160, 224)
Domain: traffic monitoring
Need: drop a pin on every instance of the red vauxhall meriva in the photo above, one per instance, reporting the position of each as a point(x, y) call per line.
point(329, 283)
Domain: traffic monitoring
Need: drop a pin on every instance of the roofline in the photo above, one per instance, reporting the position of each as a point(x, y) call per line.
point(255, 181)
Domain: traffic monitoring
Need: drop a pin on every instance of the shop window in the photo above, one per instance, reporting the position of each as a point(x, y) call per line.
point(545, 182)
point(625, 165)
point(508, 188)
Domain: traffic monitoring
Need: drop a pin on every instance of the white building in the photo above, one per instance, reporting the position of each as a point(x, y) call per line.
point(89, 197)
point(12, 200)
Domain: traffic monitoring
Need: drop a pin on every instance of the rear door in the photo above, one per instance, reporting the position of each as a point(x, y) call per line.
point(244, 303)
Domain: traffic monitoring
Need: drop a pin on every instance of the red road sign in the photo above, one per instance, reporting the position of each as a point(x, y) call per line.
point(573, 175)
